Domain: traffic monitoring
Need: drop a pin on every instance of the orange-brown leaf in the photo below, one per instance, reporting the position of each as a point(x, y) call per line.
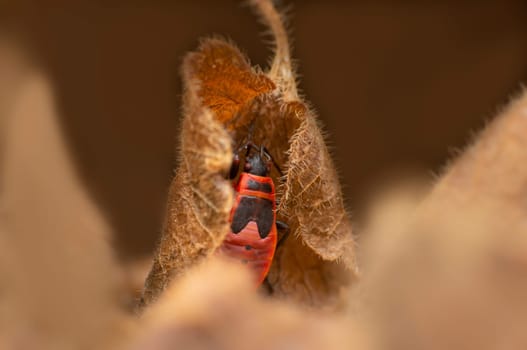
point(224, 79)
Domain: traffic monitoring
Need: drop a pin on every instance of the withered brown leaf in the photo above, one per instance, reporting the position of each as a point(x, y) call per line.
point(462, 252)
point(232, 316)
point(59, 277)
point(224, 96)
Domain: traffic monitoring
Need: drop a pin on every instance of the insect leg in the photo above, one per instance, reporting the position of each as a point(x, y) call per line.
point(266, 151)
point(268, 287)
point(282, 228)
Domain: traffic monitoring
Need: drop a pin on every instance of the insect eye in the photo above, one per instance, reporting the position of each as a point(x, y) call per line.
point(234, 166)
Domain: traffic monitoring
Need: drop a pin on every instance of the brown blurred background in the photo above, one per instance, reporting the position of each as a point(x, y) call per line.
point(399, 85)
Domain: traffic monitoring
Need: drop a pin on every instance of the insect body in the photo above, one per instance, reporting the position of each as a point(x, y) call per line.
point(253, 237)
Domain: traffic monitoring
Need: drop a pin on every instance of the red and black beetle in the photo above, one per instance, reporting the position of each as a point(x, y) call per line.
point(253, 234)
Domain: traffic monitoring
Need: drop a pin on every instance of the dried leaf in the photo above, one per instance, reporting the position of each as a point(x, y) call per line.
point(224, 98)
point(192, 315)
point(199, 200)
point(462, 255)
point(59, 277)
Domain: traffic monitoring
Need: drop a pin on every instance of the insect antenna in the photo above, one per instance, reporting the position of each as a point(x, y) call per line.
point(265, 151)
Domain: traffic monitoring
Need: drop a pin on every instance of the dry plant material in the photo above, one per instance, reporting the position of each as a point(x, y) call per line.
point(224, 97)
point(58, 276)
point(192, 315)
point(455, 276)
